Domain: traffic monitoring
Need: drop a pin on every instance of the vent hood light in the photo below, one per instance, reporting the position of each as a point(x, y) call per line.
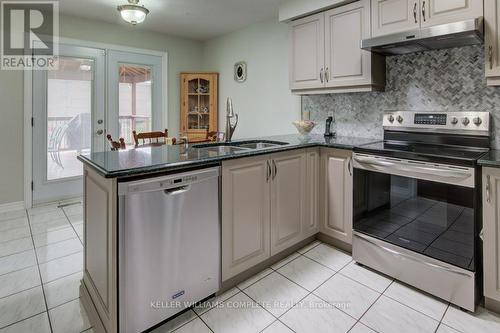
point(133, 13)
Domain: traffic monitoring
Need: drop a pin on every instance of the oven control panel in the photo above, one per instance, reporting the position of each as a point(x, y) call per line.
point(430, 119)
point(466, 122)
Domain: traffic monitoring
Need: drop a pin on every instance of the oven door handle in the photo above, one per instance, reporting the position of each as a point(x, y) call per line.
point(396, 253)
point(425, 170)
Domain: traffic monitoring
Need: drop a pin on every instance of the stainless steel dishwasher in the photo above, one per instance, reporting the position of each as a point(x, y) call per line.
point(169, 246)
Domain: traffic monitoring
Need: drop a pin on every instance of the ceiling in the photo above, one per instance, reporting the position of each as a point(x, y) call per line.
point(195, 19)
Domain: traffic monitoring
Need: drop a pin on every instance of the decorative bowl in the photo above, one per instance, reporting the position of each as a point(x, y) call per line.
point(304, 126)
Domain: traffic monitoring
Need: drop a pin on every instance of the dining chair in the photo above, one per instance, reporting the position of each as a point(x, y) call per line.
point(116, 145)
point(152, 138)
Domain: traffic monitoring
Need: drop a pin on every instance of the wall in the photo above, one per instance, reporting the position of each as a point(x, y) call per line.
point(263, 102)
point(443, 80)
point(184, 55)
point(11, 136)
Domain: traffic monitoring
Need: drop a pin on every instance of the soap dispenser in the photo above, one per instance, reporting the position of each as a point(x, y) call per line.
point(328, 125)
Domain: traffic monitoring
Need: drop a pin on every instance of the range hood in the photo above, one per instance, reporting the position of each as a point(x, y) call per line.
point(469, 32)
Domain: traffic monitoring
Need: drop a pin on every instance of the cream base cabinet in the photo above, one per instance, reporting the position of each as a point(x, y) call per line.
point(336, 180)
point(311, 222)
point(288, 199)
point(492, 41)
point(246, 214)
point(435, 12)
point(491, 237)
point(307, 52)
point(392, 16)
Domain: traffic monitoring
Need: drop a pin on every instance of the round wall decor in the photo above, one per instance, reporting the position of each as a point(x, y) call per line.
point(240, 71)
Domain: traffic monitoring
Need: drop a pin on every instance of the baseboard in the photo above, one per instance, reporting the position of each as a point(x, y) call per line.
point(7, 207)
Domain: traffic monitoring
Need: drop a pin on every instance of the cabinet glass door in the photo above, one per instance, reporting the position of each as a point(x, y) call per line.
point(198, 105)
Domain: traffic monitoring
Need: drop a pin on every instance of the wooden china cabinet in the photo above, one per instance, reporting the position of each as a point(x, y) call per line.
point(199, 109)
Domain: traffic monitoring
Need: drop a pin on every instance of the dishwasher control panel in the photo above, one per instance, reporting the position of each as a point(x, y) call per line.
point(167, 182)
point(180, 180)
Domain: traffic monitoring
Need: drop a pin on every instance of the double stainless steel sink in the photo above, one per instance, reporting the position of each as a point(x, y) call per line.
point(237, 147)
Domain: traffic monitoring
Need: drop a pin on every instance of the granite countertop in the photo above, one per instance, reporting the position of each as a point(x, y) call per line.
point(491, 159)
point(141, 161)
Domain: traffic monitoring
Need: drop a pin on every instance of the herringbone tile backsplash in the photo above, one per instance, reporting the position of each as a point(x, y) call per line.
point(442, 80)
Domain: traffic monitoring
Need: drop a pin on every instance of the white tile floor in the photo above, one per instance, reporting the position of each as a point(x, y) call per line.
point(317, 289)
point(41, 259)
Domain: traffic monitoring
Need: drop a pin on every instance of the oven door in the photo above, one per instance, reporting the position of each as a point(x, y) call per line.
point(420, 206)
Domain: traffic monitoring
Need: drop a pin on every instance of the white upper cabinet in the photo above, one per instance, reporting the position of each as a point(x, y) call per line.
point(392, 16)
point(492, 41)
point(346, 64)
point(435, 12)
point(307, 52)
point(326, 56)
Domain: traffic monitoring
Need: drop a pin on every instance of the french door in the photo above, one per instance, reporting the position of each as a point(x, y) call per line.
point(93, 93)
point(135, 99)
point(68, 119)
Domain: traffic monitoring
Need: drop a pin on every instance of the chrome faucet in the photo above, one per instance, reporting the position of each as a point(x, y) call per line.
point(230, 114)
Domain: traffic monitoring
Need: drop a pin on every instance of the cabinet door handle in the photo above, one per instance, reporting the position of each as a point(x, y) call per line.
point(423, 10)
point(481, 234)
point(275, 169)
point(488, 196)
point(268, 175)
point(490, 56)
point(327, 75)
point(349, 165)
point(415, 12)
point(321, 75)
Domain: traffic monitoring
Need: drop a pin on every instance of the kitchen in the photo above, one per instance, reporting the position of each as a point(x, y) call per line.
point(380, 218)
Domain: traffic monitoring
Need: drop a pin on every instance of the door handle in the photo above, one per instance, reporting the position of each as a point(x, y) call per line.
point(321, 75)
point(177, 190)
point(327, 74)
point(275, 169)
point(490, 56)
point(415, 12)
point(268, 175)
point(349, 166)
point(488, 196)
point(99, 132)
point(423, 10)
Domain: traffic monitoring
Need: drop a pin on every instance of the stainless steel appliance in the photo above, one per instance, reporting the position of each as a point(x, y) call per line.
point(416, 204)
point(469, 32)
point(169, 246)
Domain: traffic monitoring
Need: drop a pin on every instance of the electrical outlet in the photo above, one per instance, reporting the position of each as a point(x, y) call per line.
point(330, 113)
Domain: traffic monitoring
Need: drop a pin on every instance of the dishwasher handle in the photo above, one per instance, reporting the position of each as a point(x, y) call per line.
point(177, 190)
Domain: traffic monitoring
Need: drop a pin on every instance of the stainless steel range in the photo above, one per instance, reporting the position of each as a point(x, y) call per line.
point(416, 204)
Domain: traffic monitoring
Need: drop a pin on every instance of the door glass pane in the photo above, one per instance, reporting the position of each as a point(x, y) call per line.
point(135, 97)
point(434, 219)
point(69, 103)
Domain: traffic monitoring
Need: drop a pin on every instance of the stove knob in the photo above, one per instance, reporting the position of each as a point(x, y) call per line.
point(477, 121)
point(391, 118)
point(465, 121)
point(454, 121)
point(399, 119)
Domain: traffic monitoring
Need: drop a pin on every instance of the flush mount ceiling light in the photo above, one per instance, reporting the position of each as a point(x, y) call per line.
point(132, 12)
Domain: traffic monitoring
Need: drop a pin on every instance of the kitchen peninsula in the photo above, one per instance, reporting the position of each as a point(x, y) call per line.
point(274, 194)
